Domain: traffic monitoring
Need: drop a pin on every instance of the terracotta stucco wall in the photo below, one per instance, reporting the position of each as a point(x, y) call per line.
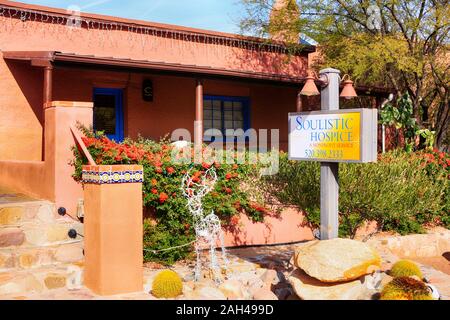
point(111, 41)
point(21, 122)
point(21, 115)
point(174, 100)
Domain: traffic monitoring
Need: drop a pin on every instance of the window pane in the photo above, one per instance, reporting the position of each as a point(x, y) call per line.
point(105, 113)
point(207, 124)
point(238, 124)
point(207, 114)
point(217, 104)
point(217, 114)
point(223, 115)
point(228, 114)
point(238, 115)
point(217, 124)
point(207, 104)
point(229, 125)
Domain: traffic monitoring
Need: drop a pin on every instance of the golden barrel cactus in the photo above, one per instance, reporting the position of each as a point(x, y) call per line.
point(167, 284)
point(406, 288)
point(406, 268)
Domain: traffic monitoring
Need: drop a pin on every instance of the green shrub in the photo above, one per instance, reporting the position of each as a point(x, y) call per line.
point(401, 191)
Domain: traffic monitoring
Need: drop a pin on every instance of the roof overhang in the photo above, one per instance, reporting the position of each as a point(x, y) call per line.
point(42, 58)
point(46, 58)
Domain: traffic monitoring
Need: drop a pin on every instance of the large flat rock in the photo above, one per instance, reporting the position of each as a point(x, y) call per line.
point(337, 260)
point(308, 288)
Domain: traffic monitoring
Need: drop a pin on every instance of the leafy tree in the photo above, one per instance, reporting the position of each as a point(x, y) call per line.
point(402, 44)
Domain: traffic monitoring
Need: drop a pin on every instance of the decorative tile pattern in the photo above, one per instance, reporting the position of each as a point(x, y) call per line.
point(112, 177)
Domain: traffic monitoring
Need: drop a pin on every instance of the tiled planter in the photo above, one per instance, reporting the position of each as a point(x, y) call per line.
point(113, 229)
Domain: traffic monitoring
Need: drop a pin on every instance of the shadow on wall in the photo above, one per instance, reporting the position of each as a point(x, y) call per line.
point(30, 81)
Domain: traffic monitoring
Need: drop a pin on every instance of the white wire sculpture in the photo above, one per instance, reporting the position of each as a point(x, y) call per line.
point(208, 230)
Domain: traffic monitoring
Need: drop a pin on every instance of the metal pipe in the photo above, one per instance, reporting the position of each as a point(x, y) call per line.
point(383, 127)
point(299, 105)
point(48, 85)
point(198, 124)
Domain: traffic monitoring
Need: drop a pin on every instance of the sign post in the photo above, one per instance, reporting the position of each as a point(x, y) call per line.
point(329, 171)
point(332, 136)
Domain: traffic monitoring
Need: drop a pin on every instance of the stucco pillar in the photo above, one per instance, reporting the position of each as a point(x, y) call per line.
point(113, 229)
point(59, 116)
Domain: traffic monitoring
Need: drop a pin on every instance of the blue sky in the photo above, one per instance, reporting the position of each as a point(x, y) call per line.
point(219, 15)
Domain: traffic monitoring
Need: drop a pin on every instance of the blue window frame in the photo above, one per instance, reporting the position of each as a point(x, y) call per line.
point(224, 112)
point(108, 112)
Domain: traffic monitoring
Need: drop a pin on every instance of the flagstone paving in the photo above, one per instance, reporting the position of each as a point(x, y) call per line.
point(38, 261)
point(254, 273)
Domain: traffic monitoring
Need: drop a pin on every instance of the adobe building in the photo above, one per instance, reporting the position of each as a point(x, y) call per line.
point(128, 78)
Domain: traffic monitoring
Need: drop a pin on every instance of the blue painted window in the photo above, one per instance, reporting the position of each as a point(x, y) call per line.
point(223, 113)
point(108, 112)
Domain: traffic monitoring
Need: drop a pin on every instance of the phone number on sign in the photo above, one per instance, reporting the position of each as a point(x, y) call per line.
point(324, 154)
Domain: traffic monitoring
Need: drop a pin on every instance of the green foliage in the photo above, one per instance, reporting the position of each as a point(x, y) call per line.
point(397, 44)
point(171, 223)
point(162, 236)
point(405, 268)
point(402, 192)
point(167, 284)
point(406, 288)
point(402, 117)
point(429, 136)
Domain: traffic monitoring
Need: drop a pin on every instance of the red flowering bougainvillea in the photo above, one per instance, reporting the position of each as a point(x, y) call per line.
point(162, 194)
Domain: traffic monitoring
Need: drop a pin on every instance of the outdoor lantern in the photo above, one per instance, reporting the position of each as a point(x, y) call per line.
point(349, 91)
point(147, 90)
point(310, 88)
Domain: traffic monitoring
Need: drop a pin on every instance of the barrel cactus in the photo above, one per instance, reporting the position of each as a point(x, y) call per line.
point(167, 284)
point(406, 268)
point(406, 288)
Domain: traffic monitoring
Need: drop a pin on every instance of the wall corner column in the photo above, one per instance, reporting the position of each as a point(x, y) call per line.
point(59, 116)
